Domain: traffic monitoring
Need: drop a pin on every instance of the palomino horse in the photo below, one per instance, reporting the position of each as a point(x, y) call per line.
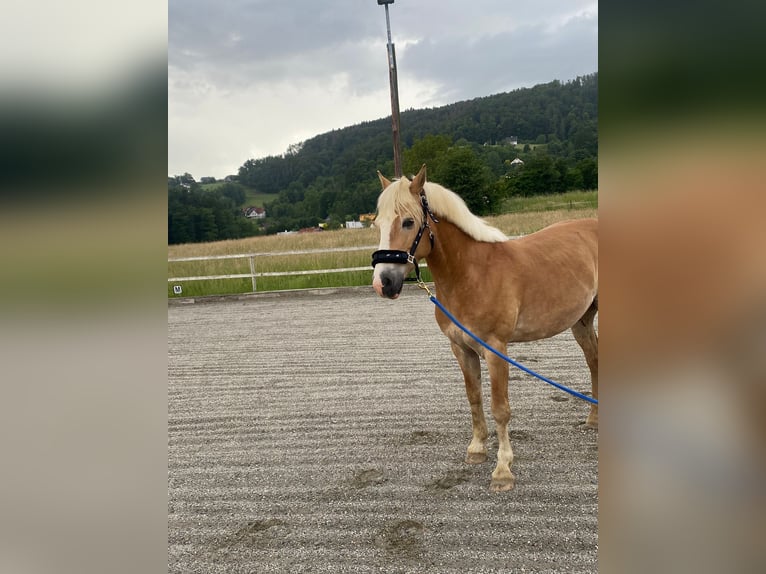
point(503, 290)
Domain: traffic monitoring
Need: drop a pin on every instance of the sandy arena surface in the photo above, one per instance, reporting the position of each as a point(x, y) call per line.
point(326, 432)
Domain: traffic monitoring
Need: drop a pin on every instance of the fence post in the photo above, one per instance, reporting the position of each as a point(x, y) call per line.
point(252, 270)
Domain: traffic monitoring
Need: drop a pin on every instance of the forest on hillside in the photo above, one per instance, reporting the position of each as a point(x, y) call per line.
point(469, 147)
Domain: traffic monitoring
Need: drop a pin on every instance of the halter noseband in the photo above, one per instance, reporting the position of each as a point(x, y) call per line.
point(398, 256)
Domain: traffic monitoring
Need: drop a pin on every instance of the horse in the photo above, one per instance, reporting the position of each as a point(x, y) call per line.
point(503, 290)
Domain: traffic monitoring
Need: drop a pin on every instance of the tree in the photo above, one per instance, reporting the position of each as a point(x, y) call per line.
point(186, 178)
point(234, 191)
point(589, 170)
point(461, 171)
point(204, 221)
point(429, 150)
point(197, 215)
point(537, 176)
point(333, 174)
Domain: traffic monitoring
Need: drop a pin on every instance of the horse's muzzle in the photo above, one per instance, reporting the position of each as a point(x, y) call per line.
point(389, 283)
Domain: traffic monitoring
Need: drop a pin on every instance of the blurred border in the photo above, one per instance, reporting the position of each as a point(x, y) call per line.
point(683, 297)
point(83, 112)
point(83, 340)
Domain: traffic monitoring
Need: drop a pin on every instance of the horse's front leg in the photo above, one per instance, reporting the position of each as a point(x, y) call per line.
point(502, 477)
point(471, 367)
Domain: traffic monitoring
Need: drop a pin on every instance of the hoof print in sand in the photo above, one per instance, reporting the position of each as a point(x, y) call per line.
point(402, 537)
point(370, 477)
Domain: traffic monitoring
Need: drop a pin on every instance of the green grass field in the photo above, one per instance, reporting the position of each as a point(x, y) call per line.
point(252, 197)
point(525, 215)
point(569, 200)
point(257, 199)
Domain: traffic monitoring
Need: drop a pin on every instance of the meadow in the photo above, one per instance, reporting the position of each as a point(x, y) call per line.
point(252, 197)
point(523, 216)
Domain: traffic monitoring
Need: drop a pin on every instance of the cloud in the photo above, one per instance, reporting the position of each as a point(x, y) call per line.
point(267, 37)
point(505, 61)
point(247, 78)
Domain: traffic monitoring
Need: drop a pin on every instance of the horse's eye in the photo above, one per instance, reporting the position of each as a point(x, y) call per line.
point(408, 223)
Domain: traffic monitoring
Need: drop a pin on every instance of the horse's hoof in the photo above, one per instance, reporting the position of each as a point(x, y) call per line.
point(502, 485)
point(591, 424)
point(476, 457)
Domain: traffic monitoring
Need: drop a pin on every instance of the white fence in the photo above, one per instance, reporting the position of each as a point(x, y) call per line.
point(253, 275)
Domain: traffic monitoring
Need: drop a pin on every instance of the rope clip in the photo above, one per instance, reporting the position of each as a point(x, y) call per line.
point(425, 288)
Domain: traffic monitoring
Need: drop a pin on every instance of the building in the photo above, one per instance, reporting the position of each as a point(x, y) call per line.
point(255, 212)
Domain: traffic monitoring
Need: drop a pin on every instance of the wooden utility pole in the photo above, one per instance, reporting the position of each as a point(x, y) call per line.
point(394, 94)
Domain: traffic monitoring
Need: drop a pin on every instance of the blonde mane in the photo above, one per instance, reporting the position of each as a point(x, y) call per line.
point(396, 199)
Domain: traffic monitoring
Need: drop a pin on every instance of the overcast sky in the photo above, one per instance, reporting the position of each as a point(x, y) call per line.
point(247, 78)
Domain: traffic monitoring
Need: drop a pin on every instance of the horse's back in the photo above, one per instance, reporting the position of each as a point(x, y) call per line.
point(586, 228)
point(574, 241)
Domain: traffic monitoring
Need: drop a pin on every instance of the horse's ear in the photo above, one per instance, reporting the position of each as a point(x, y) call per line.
point(418, 181)
point(383, 181)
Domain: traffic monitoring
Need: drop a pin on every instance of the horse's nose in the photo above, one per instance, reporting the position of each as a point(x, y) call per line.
point(377, 285)
point(391, 282)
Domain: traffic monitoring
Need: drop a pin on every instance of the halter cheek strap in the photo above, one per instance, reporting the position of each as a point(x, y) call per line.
point(398, 256)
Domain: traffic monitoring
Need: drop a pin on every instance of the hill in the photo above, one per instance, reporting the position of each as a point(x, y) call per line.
point(468, 146)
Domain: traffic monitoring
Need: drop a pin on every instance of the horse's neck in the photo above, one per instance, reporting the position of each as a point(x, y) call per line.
point(456, 258)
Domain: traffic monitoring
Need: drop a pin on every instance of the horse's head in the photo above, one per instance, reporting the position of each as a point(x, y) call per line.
point(402, 220)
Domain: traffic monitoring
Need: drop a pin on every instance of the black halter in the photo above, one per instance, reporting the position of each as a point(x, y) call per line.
point(397, 256)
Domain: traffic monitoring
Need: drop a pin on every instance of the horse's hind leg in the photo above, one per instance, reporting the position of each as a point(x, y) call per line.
point(585, 334)
point(471, 367)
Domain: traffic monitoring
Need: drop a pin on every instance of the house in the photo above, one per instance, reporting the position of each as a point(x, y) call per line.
point(517, 162)
point(255, 212)
point(354, 225)
point(367, 217)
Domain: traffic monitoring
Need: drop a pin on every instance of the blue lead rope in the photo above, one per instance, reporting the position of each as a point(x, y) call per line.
point(452, 318)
